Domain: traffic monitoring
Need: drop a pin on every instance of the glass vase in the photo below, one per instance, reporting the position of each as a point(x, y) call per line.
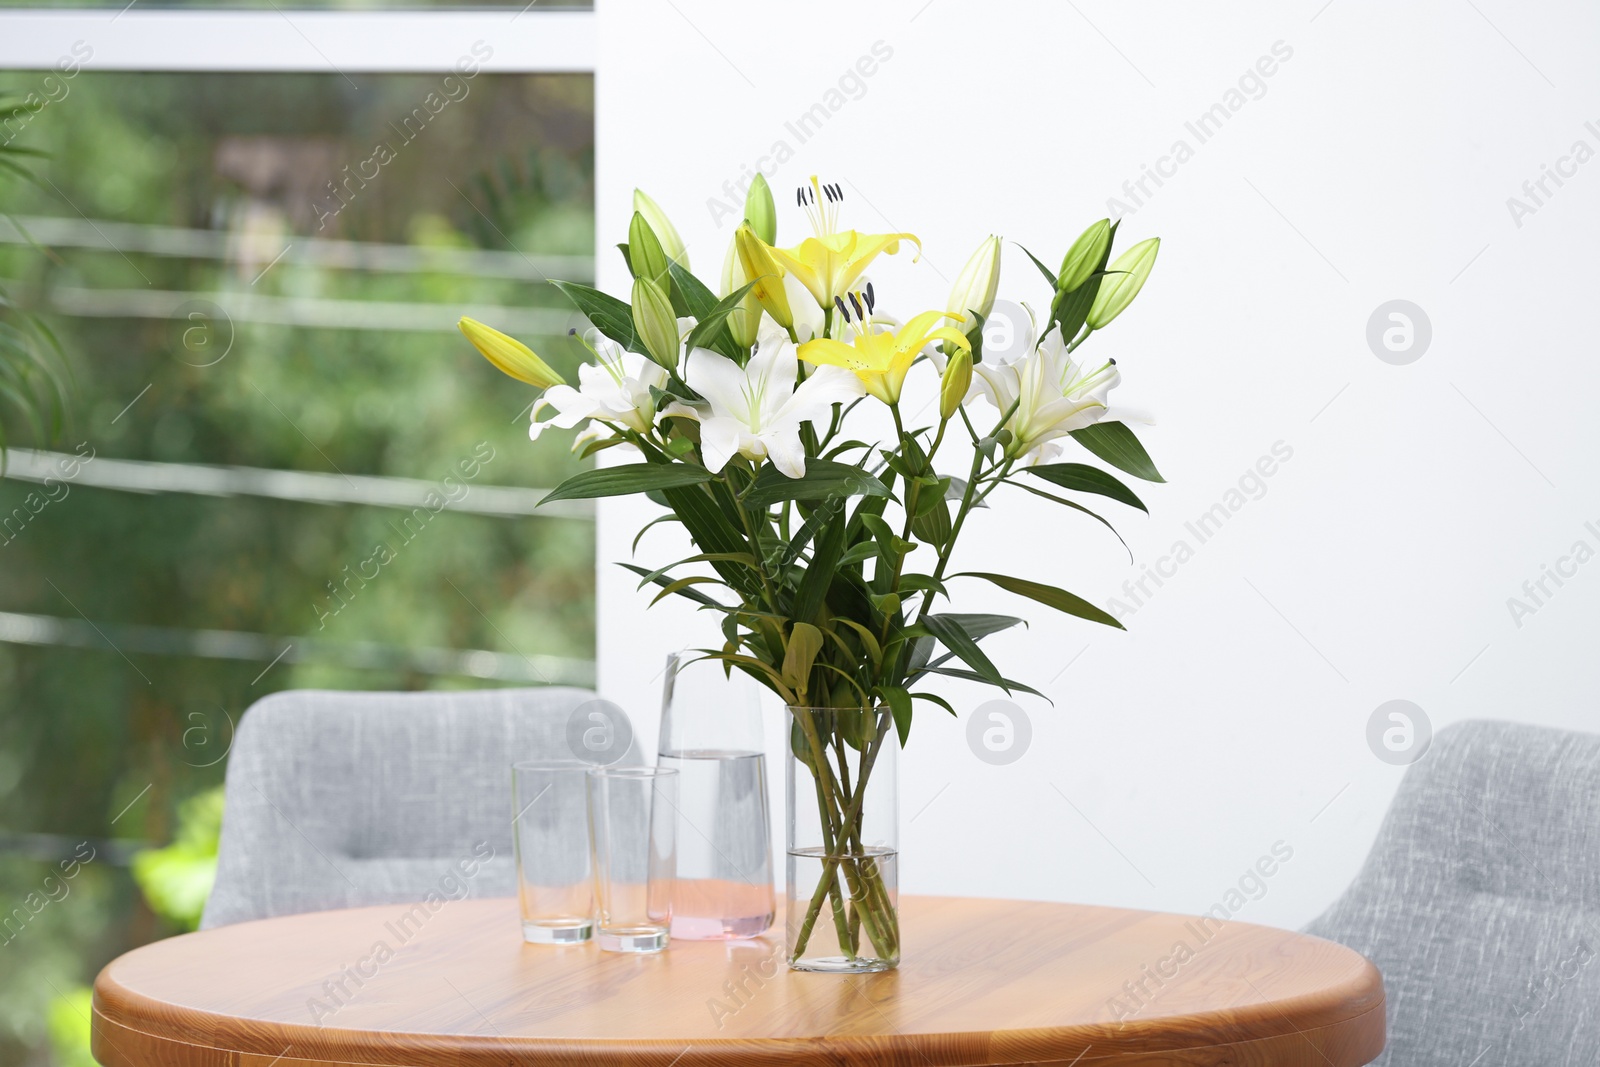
point(711, 734)
point(843, 840)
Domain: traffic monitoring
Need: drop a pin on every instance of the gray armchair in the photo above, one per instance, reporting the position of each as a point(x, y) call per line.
point(341, 799)
point(1480, 902)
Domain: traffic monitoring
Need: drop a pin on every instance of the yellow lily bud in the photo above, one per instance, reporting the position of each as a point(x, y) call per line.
point(654, 319)
point(957, 380)
point(510, 356)
point(646, 258)
point(744, 320)
point(759, 210)
point(665, 232)
point(979, 280)
point(761, 267)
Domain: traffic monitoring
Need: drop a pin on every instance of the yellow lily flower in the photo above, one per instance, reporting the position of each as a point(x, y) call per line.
point(882, 359)
point(831, 262)
point(509, 355)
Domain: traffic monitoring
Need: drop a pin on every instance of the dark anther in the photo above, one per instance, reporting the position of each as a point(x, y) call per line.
point(573, 332)
point(838, 193)
point(800, 196)
point(871, 300)
point(1113, 363)
point(857, 305)
point(839, 303)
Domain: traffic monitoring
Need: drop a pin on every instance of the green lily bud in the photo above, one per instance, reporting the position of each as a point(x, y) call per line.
point(1084, 257)
point(509, 355)
point(665, 232)
point(645, 256)
point(957, 380)
point(1122, 282)
point(653, 318)
point(744, 320)
point(759, 211)
point(979, 280)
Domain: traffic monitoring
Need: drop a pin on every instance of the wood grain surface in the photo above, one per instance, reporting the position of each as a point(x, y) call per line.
point(983, 982)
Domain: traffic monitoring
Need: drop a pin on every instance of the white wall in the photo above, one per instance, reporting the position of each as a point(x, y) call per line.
point(1378, 561)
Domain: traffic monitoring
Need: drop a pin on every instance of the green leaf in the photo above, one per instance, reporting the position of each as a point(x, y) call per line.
point(683, 583)
point(825, 479)
point(1086, 479)
point(702, 557)
point(899, 702)
point(711, 331)
point(712, 531)
point(691, 594)
point(941, 701)
point(800, 652)
point(1075, 506)
point(890, 544)
point(1048, 595)
point(813, 588)
point(1005, 683)
point(859, 553)
point(1128, 276)
point(922, 583)
point(628, 478)
point(1049, 275)
point(977, 627)
point(954, 638)
point(698, 300)
point(610, 316)
point(1115, 443)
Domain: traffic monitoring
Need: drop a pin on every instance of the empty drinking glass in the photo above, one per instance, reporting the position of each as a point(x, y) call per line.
point(550, 837)
point(633, 816)
point(711, 733)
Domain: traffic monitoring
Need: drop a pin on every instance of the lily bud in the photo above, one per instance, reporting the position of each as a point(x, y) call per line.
point(510, 356)
point(665, 232)
point(645, 256)
point(759, 211)
point(761, 267)
point(744, 320)
point(979, 279)
point(957, 380)
point(1122, 283)
point(653, 318)
point(1084, 257)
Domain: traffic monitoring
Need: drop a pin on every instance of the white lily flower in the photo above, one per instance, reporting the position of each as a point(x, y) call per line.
point(756, 411)
point(1053, 393)
point(615, 389)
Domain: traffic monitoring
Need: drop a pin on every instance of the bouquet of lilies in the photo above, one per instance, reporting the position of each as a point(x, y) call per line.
point(827, 554)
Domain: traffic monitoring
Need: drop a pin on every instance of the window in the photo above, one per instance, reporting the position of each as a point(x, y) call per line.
point(284, 468)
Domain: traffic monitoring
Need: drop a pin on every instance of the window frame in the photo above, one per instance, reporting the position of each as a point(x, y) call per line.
point(527, 41)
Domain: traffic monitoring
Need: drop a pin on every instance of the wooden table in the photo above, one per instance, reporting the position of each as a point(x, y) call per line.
point(983, 982)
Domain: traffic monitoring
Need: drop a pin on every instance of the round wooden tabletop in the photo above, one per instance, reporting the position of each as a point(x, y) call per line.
point(983, 982)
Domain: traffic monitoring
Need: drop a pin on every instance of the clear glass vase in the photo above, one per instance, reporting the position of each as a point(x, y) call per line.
point(843, 840)
point(711, 734)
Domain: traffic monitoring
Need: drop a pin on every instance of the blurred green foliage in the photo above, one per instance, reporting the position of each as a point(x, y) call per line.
point(109, 745)
point(177, 878)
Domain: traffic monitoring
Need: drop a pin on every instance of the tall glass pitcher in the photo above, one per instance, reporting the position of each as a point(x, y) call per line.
point(711, 734)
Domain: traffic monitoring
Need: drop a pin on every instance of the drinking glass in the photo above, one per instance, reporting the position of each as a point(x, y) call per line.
point(633, 819)
point(711, 733)
point(550, 838)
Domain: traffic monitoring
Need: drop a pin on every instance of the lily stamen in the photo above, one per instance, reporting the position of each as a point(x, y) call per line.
point(821, 203)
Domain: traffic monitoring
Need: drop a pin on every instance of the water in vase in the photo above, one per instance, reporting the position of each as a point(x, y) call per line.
point(724, 887)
